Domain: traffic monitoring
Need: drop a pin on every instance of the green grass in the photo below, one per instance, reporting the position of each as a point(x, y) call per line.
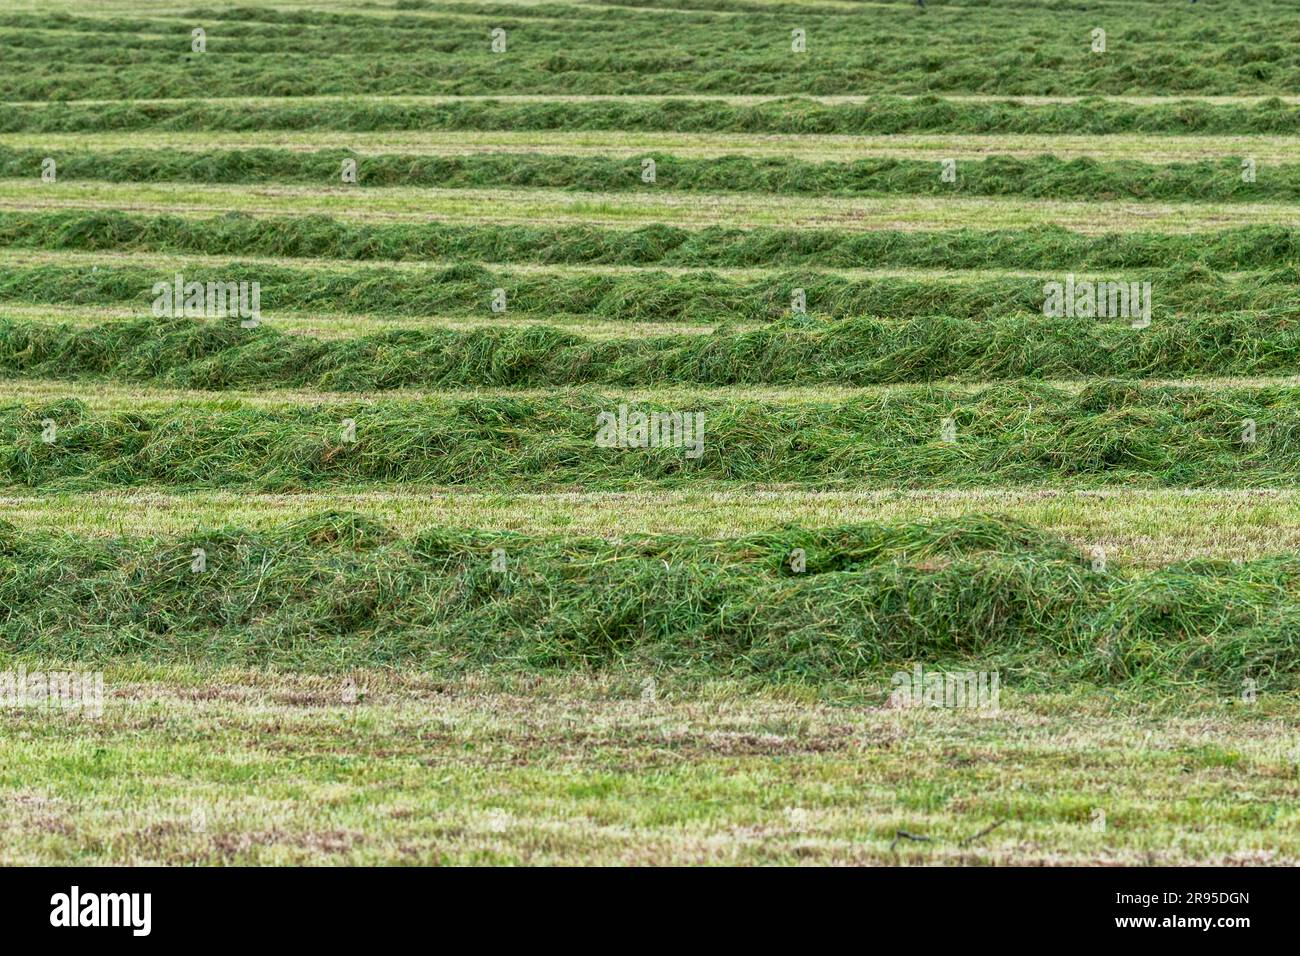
point(338, 590)
point(1227, 48)
point(1044, 177)
point(639, 295)
point(1109, 434)
point(220, 354)
point(325, 238)
point(567, 653)
point(872, 115)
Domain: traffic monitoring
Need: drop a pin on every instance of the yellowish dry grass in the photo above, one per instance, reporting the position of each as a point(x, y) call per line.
point(1148, 528)
point(531, 206)
point(620, 144)
point(615, 771)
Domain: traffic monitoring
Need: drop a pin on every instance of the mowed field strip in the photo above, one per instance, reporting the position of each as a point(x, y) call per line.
point(495, 771)
point(670, 48)
point(827, 147)
point(1148, 528)
point(244, 102)
point(545, 205)
point(315, 329)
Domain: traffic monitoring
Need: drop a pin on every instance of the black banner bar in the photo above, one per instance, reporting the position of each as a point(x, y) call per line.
point(342, 906)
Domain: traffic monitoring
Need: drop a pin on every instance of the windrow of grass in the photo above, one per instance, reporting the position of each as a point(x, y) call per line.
point(645, 295)
point(1110, 434)
point(880, 115)
point(338, 590)
point(1043, 177)
point(323, 237)
point(1236, 48)
point(205, 354)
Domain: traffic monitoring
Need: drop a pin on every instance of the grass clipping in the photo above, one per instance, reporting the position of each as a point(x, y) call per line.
point(339, 590)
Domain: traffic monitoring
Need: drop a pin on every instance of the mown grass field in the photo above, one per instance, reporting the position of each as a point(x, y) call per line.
point(363, 584)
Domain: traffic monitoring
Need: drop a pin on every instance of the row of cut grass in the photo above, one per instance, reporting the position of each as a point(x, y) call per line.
point(1189, 100)
point(872, 115)
point(336, 590)
point(324, 238)
point(1043, 177)
point(632, 295)
point(853, 352)
point(1109, 434)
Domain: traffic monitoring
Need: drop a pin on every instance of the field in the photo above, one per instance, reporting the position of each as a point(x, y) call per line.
point(363, 581)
